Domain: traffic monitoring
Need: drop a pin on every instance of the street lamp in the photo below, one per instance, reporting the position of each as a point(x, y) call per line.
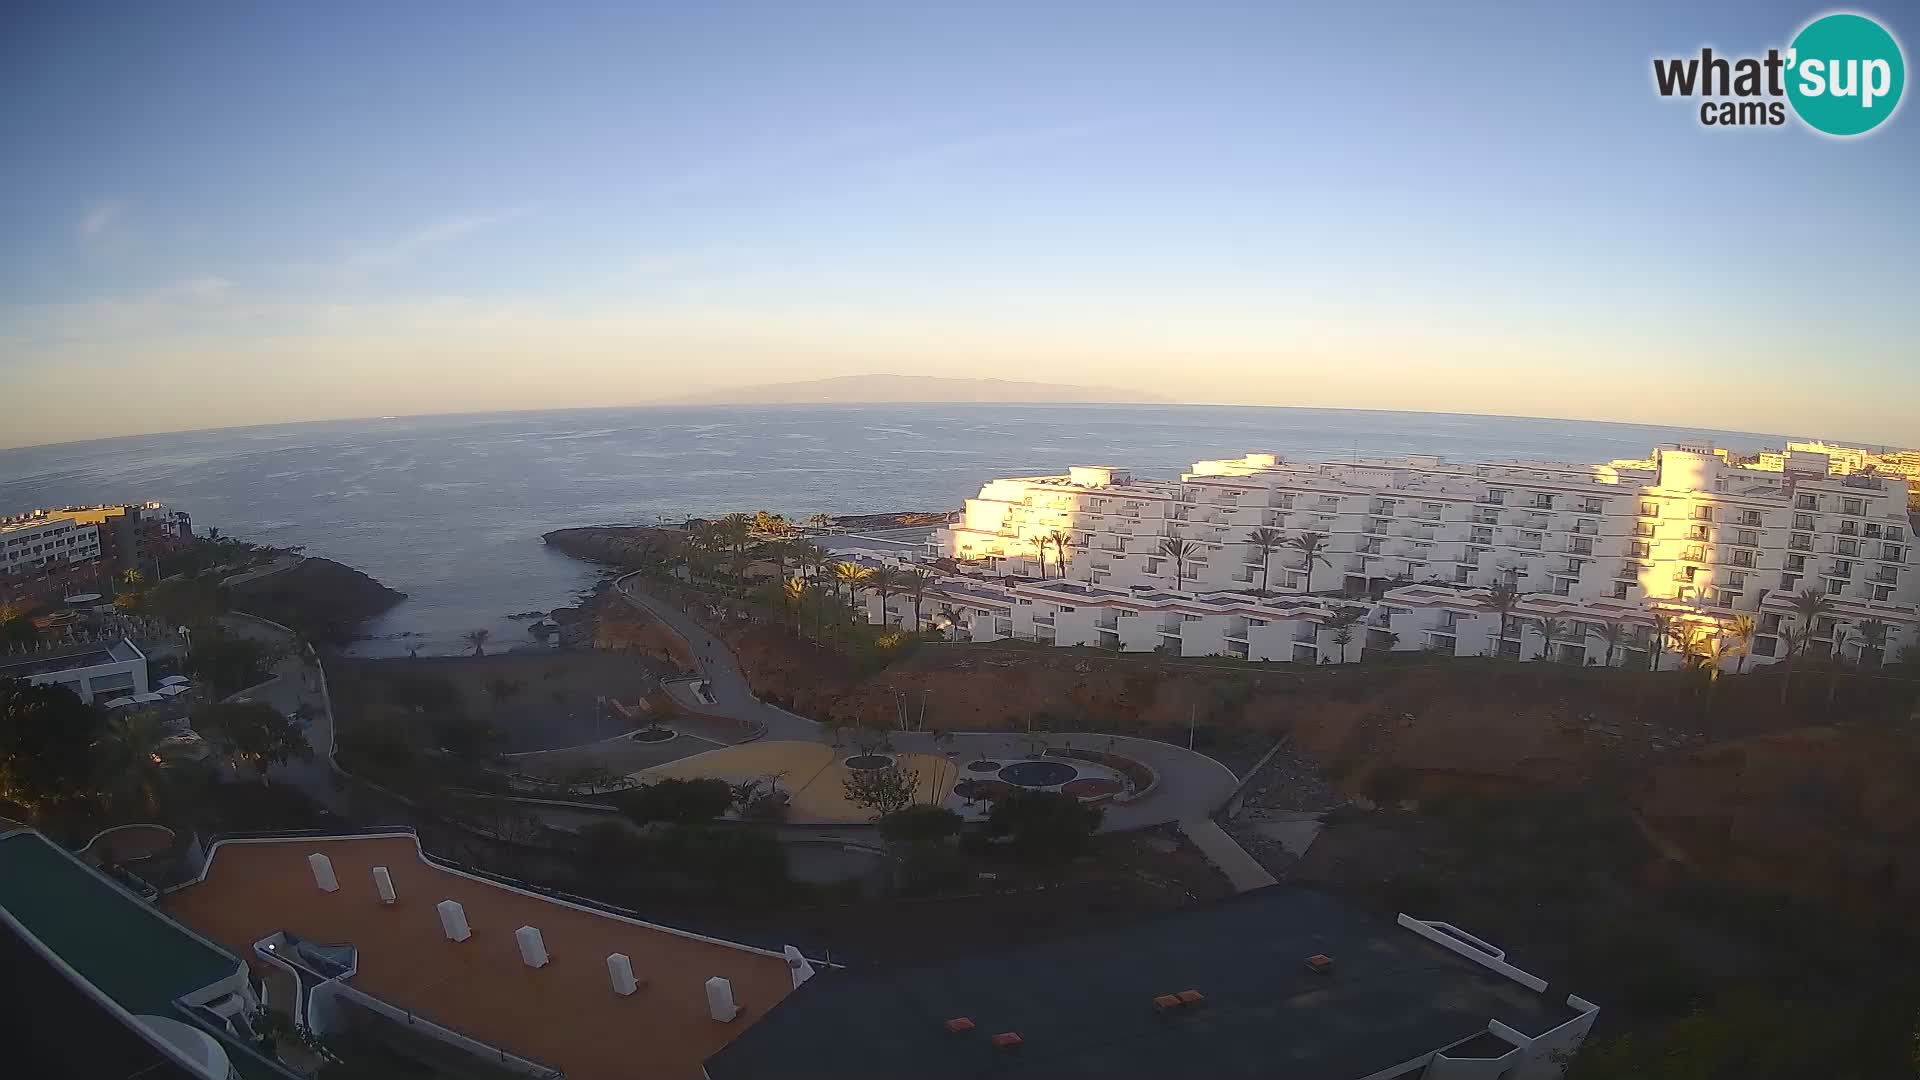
point(187, 636)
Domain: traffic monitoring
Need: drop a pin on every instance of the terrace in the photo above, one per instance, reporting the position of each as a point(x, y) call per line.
point(564, 1013)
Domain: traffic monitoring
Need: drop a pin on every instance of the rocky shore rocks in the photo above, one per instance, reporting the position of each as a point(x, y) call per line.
point(616, 545)
point(321, 599)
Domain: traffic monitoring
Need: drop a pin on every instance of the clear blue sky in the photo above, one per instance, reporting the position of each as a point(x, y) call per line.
point(231, 213)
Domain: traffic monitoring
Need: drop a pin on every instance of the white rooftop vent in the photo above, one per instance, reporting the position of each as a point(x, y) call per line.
point(720, 1004)
point(801, 967)
point(383, 884)
point(620, 973)
point(453, 919)
point(533, 950)
point(322, 868)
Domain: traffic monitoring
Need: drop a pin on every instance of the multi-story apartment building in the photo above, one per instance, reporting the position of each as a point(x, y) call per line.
point(43, 540)
point(125, 537)
point(1686, 533)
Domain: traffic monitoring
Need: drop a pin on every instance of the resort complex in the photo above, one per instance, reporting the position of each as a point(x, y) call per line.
point(1261, 558)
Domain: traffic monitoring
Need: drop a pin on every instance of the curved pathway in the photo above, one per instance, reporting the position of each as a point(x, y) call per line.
point(1191, 784)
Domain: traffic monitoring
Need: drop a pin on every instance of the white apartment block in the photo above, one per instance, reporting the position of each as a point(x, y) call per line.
point(38, 541)
point(1415, 543)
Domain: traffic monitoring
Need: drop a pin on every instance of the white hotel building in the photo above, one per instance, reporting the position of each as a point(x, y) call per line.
point(45, 539)
point(1416, 542)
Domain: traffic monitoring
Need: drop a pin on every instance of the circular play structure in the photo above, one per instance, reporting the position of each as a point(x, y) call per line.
point(1038, 774)
point(983, 766)
point(868, 762)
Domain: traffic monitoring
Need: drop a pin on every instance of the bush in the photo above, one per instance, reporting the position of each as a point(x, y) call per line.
point(1045, 826)
point(919, 826)
point(685, 802)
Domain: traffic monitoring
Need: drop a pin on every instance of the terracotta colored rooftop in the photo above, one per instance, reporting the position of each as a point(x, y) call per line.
point(564, 1014)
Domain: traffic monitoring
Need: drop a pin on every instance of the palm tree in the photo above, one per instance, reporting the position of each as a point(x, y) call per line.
point(1873, 639)
point(133, 578)
point(1501, 598)
point(952, 615)
point(1343, 621)
point(780, 552)
point(821, 521)
point(1061, 542)
point(1039, 545)
point(1809, 607)
point(1310, 544)
point(792, 593)
point(1267, 540)
point(810, 558)
point(1553, 630)
point(1739, 632)
point(1614, 633)
point(477, 639)
point(131, 753)
point(1179, 551)
point(1842, 637)
point(853, 576)
point(1663, 631)
point(914, 583)
point(734, 532)
point(885, 581)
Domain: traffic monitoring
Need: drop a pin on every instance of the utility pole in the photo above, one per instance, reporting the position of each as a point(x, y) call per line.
point(1191, 713)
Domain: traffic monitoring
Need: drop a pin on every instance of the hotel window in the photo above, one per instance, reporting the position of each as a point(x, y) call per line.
point(1807, 502)
point(1789, 581)
point(1883, 592)
point(1893, 532)
point(1649, 509)
point(1639, 549)
point(1847, 547)
point(1892, 553)
point(1620, 590)
point(1855, 507)
point(1703, 513)
point(1747, 538)
point(1643, 528)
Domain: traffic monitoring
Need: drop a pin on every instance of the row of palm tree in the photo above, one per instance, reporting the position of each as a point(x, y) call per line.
point(1059, 540)
point(1312, 545)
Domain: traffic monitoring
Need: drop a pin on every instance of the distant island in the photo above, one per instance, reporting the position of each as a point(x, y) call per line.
point(852, 389)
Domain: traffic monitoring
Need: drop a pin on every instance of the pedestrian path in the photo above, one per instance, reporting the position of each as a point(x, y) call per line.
point(1243, 871)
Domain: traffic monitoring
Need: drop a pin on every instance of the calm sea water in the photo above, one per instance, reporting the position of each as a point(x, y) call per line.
point(450, 509)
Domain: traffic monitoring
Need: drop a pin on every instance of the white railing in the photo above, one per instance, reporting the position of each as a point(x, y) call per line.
point(512, 1062)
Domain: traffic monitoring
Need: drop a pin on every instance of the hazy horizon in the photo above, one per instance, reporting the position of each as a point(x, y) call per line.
point(242, 217)
point(1696, 429)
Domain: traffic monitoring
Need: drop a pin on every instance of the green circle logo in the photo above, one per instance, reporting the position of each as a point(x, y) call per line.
point(1845, 74)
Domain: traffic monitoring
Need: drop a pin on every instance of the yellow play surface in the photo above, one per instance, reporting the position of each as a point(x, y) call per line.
point(812, 772)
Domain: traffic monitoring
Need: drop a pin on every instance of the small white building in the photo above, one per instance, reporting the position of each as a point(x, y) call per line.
point(93, 670)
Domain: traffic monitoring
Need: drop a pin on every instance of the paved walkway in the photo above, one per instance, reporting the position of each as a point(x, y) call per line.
point(1241, 869)
point(731, 695)
point(1191, 784)
point(296, 684)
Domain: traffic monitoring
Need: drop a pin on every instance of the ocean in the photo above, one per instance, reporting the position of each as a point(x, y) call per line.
point(449, 509)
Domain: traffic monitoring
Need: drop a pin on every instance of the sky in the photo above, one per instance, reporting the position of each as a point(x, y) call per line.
point(225, 214)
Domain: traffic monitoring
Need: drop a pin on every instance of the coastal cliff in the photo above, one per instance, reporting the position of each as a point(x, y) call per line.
point(322, 599)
